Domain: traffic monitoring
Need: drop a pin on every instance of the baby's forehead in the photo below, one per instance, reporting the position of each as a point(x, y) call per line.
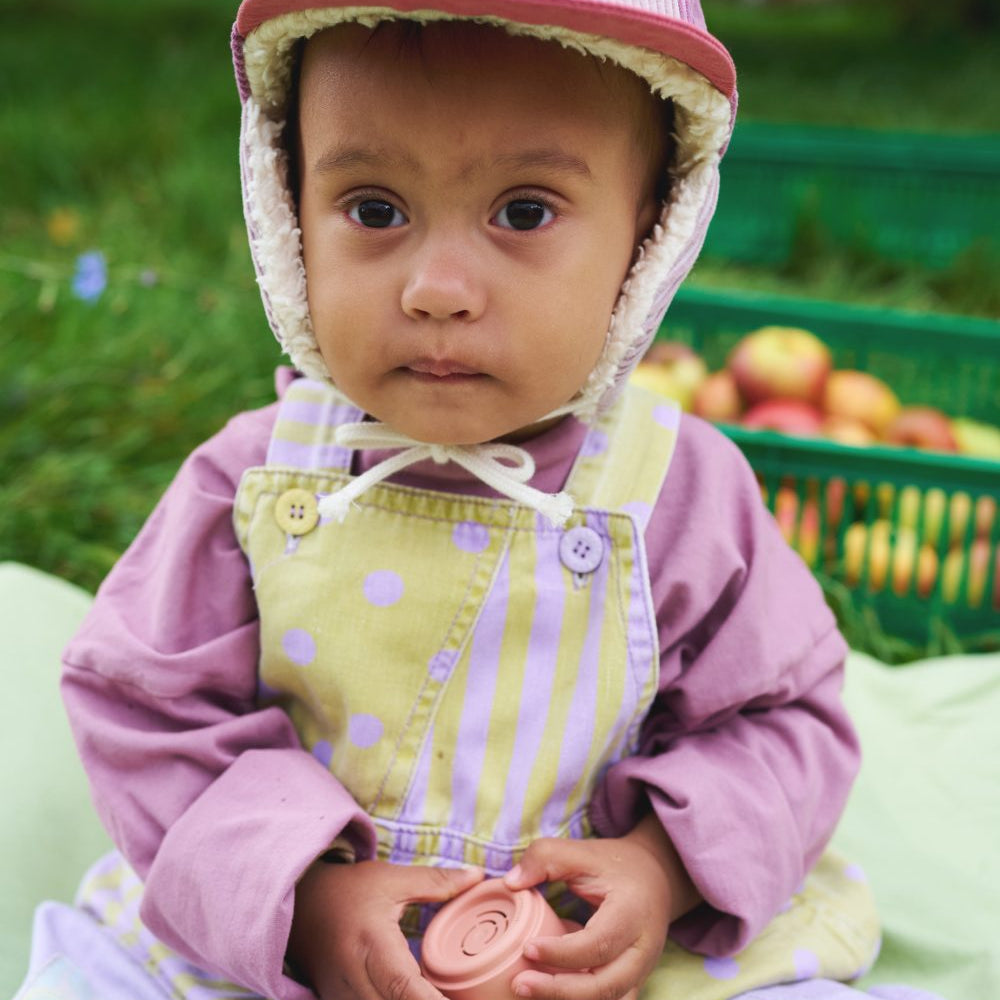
point(447, 53)
point(475, 72)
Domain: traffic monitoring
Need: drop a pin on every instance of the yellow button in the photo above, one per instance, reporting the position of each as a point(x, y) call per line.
point(296, 512)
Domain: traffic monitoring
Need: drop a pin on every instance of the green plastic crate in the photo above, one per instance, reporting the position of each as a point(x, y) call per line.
point(821, 489)
point(915, 198)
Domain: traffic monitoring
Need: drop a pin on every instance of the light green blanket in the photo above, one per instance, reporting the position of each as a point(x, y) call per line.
point(924, 818)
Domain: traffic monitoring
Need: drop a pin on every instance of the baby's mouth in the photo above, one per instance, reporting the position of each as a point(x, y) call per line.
point(441, 369)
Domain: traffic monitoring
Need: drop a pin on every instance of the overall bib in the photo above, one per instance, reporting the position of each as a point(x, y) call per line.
point(469, 672)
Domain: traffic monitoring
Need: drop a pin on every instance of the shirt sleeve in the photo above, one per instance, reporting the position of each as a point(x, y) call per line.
point(212, 800)
point(747, 755)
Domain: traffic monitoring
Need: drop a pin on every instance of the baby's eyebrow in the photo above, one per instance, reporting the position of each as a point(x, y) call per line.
point(549, 158)
point(348, 157)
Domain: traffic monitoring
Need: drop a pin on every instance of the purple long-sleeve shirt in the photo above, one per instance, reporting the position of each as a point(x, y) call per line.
point(747, 754)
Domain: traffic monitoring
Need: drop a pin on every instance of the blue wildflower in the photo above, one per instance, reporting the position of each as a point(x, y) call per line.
point(91, 277)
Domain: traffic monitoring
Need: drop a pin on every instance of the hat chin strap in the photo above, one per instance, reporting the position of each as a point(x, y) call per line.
point(505, 468)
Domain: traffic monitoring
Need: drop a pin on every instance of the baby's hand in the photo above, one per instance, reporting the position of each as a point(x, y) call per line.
point(345, 933)
point(636, 884)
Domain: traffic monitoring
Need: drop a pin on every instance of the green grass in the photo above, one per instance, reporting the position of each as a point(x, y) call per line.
point(119, 129)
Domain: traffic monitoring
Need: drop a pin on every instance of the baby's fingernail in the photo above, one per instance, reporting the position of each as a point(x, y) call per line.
point(514, 875)
point(522, 990)
point(530, 952)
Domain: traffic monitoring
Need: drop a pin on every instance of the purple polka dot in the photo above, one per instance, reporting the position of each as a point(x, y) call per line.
point(323, 752)
point(383, 587)
point(640, 510)
point(667, 416)
point(722, 968)
point(299, 646)
point(595, 443)
point(806, 964)
point(365, 730)
point(856, 873)
point(441, 664)
point(470, 536)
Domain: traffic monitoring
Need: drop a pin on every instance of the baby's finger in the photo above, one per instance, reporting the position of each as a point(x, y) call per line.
point(394, 974)
point(608, 934)
point(546, 860)
point(436, 885)
point(614, 980)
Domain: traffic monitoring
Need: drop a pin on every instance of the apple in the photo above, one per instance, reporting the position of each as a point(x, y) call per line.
point(780, 362)
point(847, 430)
point(890, 555)
point(976, 563)
point(672, 369)
point(974, 437)
point(921, 427)
point(860, 396)
point(836, 500)
point(799, 522)
point(789, 416)
point(717, 398)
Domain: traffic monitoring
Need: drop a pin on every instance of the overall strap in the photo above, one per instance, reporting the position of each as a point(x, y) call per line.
point(625, 456)
point(303, 435)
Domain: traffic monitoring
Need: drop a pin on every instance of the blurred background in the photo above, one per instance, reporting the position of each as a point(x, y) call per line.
point(130, 325)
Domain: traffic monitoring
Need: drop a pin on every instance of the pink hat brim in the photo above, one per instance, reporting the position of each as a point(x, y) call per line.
point(637, 26)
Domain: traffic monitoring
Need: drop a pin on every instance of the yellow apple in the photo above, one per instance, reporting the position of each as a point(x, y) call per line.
point(857, 395)
point(673, 370)
point(976, 438)
point(893, 557)
point(975, 562)
point(847, 430)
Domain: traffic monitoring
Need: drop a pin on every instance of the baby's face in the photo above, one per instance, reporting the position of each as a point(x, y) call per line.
point(470, 205)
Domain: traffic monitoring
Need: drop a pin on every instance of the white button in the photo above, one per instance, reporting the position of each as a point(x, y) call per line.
point(581, 550)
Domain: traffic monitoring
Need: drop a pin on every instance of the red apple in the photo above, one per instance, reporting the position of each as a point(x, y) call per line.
point(789, 416)
point(717, 398)
point(799, 523)
point(859, 396)
point(780, 362)
point(922, 427)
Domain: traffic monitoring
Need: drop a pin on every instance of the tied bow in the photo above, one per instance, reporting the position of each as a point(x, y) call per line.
point(503, 467)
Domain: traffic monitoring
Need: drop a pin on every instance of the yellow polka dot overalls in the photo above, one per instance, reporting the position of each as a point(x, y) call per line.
point(464, 669)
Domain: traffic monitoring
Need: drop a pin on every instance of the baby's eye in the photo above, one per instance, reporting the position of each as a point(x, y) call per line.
point(374, 213)
point(524, 213)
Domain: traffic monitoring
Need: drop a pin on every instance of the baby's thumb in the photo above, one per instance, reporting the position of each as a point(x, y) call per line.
point(435, 885)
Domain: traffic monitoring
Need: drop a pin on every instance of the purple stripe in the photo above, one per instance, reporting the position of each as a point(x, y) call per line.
point(308, 456)
point(302, 411)
point(484, 666)
point(578, 733)
point(539, 678)
point(412, 810)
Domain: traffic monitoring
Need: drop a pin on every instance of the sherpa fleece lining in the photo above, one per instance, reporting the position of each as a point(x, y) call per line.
point(702, 124)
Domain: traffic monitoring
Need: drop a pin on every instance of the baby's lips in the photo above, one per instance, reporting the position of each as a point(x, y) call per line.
point(474, 946)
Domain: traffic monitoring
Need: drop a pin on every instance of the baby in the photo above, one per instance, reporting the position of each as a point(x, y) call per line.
point(462, 602)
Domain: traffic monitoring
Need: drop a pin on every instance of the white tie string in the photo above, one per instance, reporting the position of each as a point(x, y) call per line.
point(503, 467)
